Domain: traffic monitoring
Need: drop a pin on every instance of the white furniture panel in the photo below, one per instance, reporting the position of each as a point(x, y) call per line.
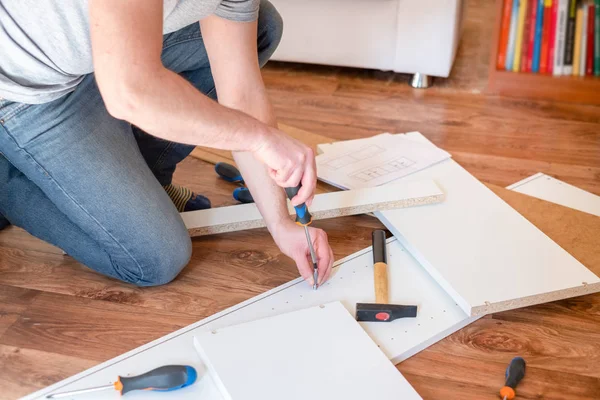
point(351, 282)
point(318, 353)
point(553, 190)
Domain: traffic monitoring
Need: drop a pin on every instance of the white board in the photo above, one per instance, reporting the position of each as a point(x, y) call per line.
point(351, 282)
point(326, 205)
point(487, 256)
point(318, 353)
point(555, 191)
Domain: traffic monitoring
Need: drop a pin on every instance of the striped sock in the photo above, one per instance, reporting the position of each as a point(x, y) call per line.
point(186, 200)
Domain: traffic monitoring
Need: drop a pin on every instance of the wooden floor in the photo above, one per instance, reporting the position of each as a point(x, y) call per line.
point(58, 318)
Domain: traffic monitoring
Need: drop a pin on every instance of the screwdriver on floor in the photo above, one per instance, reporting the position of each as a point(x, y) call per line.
point(514, 373)
point(303, 218)
point(161, 379)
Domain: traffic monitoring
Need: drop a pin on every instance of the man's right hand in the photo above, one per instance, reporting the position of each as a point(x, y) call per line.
point(290, 162)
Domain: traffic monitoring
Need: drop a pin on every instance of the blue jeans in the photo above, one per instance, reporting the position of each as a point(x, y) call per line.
point(78, 178)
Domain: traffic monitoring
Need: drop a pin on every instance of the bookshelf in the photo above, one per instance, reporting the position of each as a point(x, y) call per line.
point(574, 89)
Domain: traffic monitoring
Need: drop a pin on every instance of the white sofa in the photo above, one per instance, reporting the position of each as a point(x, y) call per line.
point(409, 36)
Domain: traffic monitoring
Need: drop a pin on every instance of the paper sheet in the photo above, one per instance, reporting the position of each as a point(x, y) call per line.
point(374, 161)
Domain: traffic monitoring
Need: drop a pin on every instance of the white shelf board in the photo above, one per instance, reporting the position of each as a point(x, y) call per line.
point(553, 190)
point(351, 282)
point(484, 254)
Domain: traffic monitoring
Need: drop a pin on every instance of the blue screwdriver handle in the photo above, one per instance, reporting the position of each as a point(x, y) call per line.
point(303, 217)
point(162, 379)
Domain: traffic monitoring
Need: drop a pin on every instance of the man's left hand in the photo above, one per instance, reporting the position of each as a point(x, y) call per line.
point(291, 240)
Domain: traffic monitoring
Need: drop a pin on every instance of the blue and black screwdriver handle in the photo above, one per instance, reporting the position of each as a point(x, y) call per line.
point(303, 218)
point(513, 375)
point(162, 379)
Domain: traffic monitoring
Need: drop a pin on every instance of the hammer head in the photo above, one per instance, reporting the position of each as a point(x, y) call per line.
point(371, 312)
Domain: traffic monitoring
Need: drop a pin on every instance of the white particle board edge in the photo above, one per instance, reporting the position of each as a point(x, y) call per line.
point(553, 190)
point(484, 254)
point(318, 353)
point(326, 205)
point(351, 282)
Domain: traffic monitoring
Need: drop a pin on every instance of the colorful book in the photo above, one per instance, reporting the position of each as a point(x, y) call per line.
point(584, 35)
point(545, 36)
point(504, 29)
point(537, 46)
point(559, 45)
point(552, 38)
point(528, 36)
point(512, 35)
point(589, 61)
point(570, 38)
point(577, 48)
point(597, 39)
point(519, 39)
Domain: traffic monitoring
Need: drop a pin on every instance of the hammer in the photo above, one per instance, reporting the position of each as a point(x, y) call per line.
point(381, 311)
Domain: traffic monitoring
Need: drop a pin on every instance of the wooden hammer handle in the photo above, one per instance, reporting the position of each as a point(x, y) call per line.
point(380, 266)
point(381, 283)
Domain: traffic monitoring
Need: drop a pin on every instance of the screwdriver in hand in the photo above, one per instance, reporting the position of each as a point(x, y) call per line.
point(514, 373)
point(162, 379)
point(303, 218)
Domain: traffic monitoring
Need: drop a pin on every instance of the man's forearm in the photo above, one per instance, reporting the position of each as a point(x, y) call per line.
point(169, 107)
point(269, 198)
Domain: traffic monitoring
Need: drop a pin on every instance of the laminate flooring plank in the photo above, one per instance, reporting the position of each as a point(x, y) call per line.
point(436, 375)
point(23, 370)
point(553, 348)
point(13, 303)
point(86, 328)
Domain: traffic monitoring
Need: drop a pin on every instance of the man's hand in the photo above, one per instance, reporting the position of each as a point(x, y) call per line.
point(291, 240)
point(289, 162)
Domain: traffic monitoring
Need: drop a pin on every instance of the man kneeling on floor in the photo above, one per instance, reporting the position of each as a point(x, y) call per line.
point(99, 101)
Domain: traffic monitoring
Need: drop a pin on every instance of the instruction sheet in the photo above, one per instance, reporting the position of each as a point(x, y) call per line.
point(374, 161)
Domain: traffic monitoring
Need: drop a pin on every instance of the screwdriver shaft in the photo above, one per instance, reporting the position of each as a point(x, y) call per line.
point(313, 258)
point(82, 391)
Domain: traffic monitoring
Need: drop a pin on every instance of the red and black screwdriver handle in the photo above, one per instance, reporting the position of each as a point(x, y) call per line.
point(162, 379)
point(303, 217)
point(514, 373)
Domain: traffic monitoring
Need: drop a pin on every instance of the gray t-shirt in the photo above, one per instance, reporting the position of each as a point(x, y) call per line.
point(45, 46)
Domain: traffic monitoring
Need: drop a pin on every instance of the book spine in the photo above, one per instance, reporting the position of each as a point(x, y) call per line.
point(537, 46)
point(510, 50)
point(528, 37)
point(577, 47)
point(569, 38)
point(552, 38)
point(545, 36)
point(559, 46)
point(519, 38)
point(505, 28)
point(597, 39)
point(584, 35)
point(589, 61)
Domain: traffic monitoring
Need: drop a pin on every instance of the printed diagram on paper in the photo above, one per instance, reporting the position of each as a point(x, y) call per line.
point(383, 170)
point(374, 161)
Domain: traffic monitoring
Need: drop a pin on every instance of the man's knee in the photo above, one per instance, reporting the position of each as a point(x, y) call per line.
point(165, 259)
point(270, 30)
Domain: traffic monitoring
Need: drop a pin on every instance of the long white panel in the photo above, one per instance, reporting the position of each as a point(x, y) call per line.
point(486, 255)
point(555, 191)
point(351, 282)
